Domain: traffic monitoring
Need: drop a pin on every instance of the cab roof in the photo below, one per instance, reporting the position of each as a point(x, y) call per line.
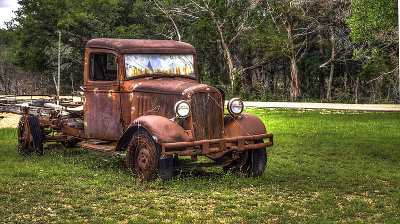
point(142, 46)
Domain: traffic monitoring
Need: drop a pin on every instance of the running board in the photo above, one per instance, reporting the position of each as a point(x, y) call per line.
point(109, 149)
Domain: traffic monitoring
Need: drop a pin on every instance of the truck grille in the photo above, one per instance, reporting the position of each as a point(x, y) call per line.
point(207, 115)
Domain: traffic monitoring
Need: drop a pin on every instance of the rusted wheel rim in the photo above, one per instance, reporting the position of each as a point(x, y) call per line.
point(142, 157)
point(25, 139)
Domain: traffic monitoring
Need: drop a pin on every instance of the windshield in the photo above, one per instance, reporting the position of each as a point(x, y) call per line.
point(171, 64)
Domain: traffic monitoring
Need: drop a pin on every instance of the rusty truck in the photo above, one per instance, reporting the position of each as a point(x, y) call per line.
point(142, 100)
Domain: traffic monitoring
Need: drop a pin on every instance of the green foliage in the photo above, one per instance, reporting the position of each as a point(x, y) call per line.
point(374, 24)
point(37, 25)
point(266, 40)
point(256, 32)
point(372, 19)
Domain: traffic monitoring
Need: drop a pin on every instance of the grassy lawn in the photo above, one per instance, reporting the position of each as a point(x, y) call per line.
point(326, 166)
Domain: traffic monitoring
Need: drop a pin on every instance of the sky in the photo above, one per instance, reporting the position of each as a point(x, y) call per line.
point(6, 11)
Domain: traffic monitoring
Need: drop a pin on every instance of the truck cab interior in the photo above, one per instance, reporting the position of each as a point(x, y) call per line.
point(103, 67)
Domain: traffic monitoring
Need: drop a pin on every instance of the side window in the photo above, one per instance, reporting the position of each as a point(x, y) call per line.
point(103, 67)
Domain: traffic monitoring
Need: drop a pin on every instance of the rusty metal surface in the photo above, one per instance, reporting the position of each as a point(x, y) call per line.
point(162, 129)
point(110, 149)
point(102, 105)
point(142, 157)
point(72, 131)
point(25, 140)
point(217, 141)
point(207, 115)
point(204, 147)
point(246, 125)
point(161, 85)
point(142, 46)
point(157, 96)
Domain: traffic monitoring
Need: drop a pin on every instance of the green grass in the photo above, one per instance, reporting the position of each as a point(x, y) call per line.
point(325, 166)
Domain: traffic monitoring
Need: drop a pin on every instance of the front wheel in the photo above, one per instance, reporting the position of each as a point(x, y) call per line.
point(143, 158)
point(257, 162)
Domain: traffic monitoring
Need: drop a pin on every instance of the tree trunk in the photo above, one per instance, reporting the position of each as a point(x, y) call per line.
point(356, 90)
point(72, 82)
point(55, 82)
point(373, 97)
point(329, 91)
point(165, 11)
point(227, 52)
point(321, 77)
point(294, 87)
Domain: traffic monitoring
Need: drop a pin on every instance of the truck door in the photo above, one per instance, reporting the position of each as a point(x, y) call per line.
point(102, 108)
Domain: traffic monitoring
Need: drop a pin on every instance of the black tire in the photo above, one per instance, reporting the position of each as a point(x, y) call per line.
point(252, 163)
point(37, 135)
point(30, 136)
point(144, 158)
point(257, 162)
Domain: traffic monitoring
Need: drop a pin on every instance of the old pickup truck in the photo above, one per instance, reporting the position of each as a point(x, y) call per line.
point(142, 100)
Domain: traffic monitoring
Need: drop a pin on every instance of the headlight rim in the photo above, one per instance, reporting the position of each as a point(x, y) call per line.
point(229, 106)
point(176, 107)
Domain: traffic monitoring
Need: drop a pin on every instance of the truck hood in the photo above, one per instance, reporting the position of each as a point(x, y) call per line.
point(170, 86)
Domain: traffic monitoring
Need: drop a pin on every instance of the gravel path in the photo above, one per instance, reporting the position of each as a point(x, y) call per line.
point(8, 120)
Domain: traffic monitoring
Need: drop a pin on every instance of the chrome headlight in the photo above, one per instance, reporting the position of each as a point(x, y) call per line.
point(182, 109)
point(235, 106)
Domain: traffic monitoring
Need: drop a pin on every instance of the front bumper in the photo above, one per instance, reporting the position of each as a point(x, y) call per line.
point(204, 147)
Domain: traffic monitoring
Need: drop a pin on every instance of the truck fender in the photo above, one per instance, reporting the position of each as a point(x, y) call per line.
point(160, 128)
point(245, 125)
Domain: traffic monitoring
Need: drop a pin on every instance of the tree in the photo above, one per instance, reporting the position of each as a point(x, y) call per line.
point(374, 30)
point(259, 49)
point(297, 24)
point(231, 20)
point(38, 23)
point(332, 15)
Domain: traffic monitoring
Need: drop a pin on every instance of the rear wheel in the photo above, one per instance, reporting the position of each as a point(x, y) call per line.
point(143, 158)
point(30, 137)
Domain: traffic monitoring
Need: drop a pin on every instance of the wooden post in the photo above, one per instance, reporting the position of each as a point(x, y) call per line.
point(398, 26)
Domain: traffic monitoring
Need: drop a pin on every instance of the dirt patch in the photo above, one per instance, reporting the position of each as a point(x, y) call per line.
point(9, 120)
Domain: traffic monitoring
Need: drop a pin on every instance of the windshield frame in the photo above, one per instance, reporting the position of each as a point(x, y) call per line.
point(161, 74)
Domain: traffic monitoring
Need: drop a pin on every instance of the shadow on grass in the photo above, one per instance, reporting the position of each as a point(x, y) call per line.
point(100, 161)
